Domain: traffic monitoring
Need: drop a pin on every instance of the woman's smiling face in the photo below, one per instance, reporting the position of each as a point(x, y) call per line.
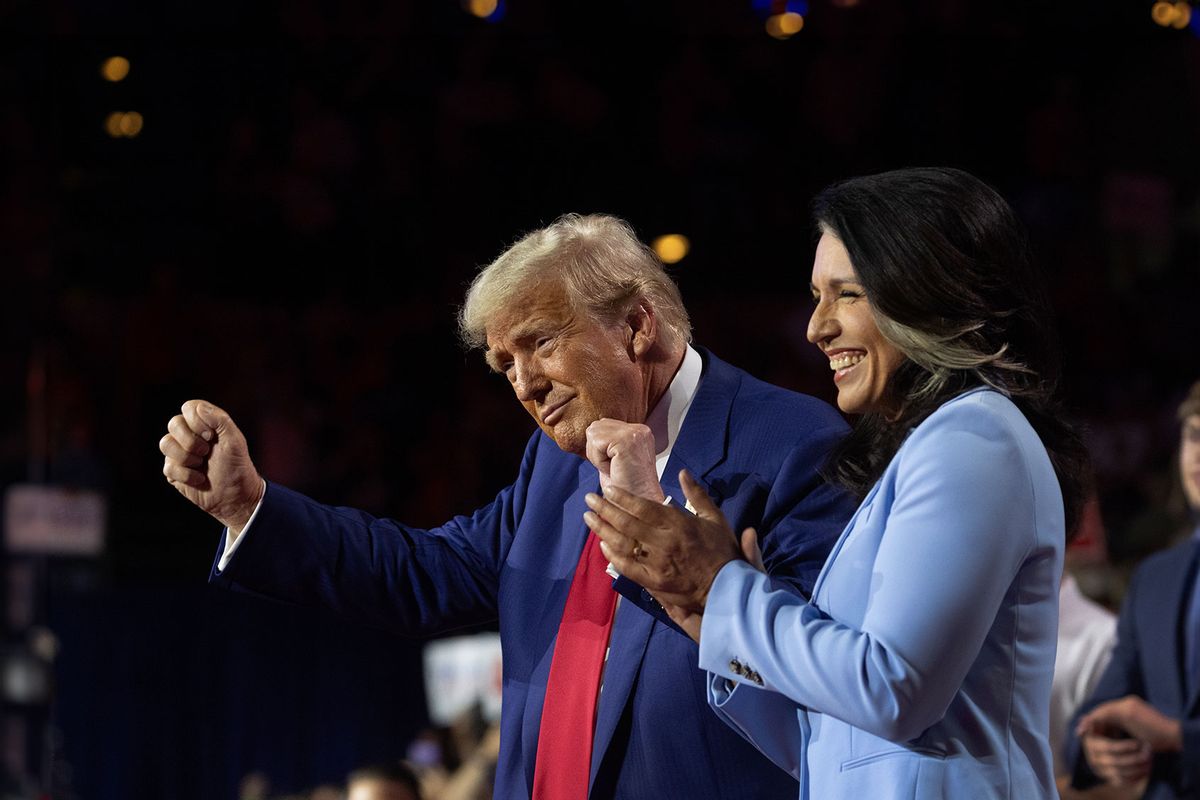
point(843, 326)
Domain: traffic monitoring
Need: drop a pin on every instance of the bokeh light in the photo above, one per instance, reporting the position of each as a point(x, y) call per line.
point(1183, 15)
point(490, 10)
point(115, 69)
point(671, 247)
point(112, 124)
point(131, 124)
point(123, 124)
point(784, 26)
point(1171, 14)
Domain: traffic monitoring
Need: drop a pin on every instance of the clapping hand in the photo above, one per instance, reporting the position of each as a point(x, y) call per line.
point(675, 555)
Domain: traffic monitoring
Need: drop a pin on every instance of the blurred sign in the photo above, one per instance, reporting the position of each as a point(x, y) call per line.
point(461, 672)
point(53, 520)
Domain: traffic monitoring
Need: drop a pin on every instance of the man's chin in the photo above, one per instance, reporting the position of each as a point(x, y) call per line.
point(568, 439)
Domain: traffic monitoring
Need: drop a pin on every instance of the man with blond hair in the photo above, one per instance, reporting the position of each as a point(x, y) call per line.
point(601, 699)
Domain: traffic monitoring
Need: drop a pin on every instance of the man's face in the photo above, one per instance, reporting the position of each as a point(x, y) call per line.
point(566, 369)
point(1189, 460)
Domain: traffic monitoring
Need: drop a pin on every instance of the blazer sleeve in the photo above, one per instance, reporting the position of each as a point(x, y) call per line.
point(959, 527)
point(380, 572)
point(765, 719)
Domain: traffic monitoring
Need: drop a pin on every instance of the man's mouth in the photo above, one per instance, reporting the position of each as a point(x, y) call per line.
point(554, 413)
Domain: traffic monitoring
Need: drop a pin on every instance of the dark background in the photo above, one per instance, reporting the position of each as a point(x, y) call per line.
point(316, 182)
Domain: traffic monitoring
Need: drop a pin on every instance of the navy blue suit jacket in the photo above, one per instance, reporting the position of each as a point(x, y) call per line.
point(754, 447)
point(1148, 662)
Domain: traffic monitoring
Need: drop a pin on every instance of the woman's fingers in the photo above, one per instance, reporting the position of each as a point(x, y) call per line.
point(699, 498)
point(618, 519)
point(637, 507)
point(751, 550)
point(617, 530)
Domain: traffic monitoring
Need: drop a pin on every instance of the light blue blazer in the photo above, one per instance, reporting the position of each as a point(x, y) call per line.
point(921, 668)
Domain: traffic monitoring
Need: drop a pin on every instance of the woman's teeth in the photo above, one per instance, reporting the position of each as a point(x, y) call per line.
point(845, 360)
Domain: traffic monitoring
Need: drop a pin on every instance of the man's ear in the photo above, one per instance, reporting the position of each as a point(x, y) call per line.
point(643, 329)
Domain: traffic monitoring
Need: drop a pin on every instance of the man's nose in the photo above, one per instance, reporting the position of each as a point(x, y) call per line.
point(528, 381)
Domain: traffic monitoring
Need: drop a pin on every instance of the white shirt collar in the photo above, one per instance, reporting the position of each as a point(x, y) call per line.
point(666, 418)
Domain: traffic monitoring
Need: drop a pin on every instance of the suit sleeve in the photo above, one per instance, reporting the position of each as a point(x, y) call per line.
point(804, 514)
point(380, 572)
point(960, 526)
point(1189, 759)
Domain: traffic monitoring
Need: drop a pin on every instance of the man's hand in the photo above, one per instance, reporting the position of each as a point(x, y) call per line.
point(1122, 762)
point(207, 461)
point(623, 453)
point(1135, 717)
point(1120, 738)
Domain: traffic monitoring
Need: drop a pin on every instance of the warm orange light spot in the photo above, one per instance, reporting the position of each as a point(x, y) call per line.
point(1163, 13)
point(671, 247)
point(115, 69)
point(481, 8)
point(1183, 15)
point(784, 26)
point(126, 124)
point(131, 124)
point(112, 124)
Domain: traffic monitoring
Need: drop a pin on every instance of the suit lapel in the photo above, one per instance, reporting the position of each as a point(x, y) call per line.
point(699, 448)
point(701, 443)
point(1159, 614)
point(626, 649)
point(1186, 581)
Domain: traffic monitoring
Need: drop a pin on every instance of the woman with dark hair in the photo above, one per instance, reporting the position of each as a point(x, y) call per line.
point(921, 667)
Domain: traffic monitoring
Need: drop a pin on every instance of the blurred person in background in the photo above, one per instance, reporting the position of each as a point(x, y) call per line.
point(391, 781)
point(1142, 722)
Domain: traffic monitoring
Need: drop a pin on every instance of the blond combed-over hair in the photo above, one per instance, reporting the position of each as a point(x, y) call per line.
point(604, 268)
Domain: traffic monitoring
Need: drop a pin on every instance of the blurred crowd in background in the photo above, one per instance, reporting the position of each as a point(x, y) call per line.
point(290, 225)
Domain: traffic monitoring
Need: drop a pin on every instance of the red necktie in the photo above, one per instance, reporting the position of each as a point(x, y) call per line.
point(564, 752)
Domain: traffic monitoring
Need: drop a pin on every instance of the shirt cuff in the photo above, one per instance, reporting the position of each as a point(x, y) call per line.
point(232, 544)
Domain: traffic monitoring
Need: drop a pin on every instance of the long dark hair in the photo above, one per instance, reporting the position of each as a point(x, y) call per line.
point(945, 265)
